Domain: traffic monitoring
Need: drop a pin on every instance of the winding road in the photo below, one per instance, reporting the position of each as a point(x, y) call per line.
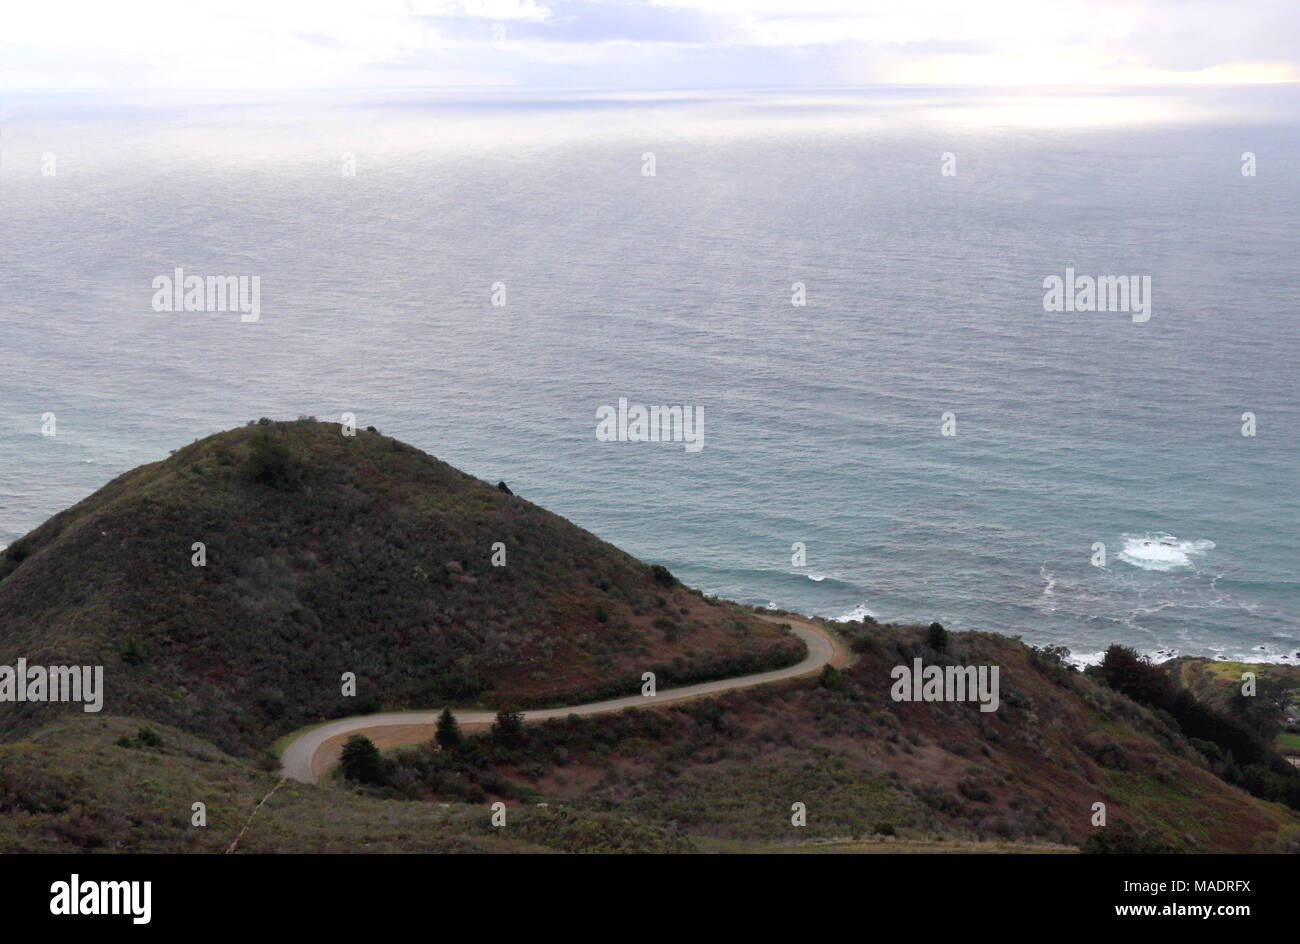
point(305, 760)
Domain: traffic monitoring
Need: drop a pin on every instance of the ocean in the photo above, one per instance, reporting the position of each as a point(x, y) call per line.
point(647, 247)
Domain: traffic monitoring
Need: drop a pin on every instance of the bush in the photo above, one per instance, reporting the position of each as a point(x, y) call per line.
point(662, 575)
point(509, 727)
point(448, 733)
point(937, 637)
point(361, 761)
point(132, 654)
point(832, 678)
point(1122, 840)
point(272, 463)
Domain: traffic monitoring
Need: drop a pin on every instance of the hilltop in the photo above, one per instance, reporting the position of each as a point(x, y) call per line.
point(328, 554)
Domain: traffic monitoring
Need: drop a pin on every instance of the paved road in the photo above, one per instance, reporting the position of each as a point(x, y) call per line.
point(297, 759)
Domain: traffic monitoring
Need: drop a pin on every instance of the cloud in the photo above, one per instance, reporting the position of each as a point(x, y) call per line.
point(661, 43)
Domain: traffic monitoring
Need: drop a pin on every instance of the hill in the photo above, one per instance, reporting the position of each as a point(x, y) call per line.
point(865, 766)
point(715, 775)
point(328, 554)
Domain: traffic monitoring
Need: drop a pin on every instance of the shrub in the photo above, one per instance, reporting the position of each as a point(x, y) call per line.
point(361, 762)
point(937, 637)
point(1122, 840)
point(832, 678)
point(448, 733)
point(272, 463)
point(509, 727)
point(132, 654)
point(662, 575)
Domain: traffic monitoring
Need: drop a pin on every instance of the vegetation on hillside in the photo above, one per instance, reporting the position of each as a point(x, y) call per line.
point(730, 768)
point(328, 554)
point(1236, 741)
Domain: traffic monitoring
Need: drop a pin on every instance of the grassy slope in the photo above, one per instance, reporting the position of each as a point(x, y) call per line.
point(729, 769)
point(348, 570)
point(717, 775)
point(372, 558)
point(71, 788)
point(1215, 682)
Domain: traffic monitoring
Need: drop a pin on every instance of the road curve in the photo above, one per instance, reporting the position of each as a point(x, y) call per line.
point(297, 759)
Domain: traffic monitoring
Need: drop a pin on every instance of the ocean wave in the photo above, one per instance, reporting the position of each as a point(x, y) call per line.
point(1162, 552)
point(857, 614)
point(1261, 655)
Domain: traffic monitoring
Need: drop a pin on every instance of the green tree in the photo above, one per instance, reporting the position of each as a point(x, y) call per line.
point(448, 734)
point(1263, 711)
point(937, 637)
point(361, 761)
point(132, 654)
point(832, 678)
point(271, 462)
point(662, 575)
point(509, 726)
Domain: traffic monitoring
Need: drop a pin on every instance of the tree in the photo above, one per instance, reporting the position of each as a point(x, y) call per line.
point(509, 726)
point(937, 637)
point(361, 760)
point(1263, 711)
point(273, 463)
point(448, 734)
point(832, 678)
point(132, 654)
point(662, 575)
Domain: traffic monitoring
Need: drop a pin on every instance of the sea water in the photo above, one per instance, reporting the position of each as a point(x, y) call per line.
point(500, 265)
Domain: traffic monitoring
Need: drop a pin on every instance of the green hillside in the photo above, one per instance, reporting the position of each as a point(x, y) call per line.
point(329, 554)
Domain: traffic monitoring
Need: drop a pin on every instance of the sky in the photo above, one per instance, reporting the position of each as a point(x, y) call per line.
point(660, 44)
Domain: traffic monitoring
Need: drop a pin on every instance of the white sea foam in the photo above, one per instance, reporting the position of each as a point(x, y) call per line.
point(817, 577)
point(1081, 660)
point(856, 614)
point(1284, 655)
point(1162, 551)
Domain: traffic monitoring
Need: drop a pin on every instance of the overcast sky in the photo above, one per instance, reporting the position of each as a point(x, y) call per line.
point(220, 44)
